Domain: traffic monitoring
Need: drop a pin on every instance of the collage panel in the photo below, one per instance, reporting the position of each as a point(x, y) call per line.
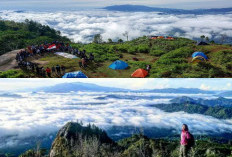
point(113, 78)
point(115, 40)
point(115, 117)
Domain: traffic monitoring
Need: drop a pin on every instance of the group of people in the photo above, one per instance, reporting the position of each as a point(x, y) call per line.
point(54, 46)
point(48, 72)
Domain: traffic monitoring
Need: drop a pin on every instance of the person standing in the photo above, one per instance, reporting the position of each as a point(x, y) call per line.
point(48, 70)
point(63, 69)
point(186, 142)
point(58, 69)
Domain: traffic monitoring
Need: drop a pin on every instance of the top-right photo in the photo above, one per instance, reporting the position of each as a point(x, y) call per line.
point(116, 39)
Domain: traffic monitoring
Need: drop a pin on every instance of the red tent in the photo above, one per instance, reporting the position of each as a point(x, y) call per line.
point(140, 73)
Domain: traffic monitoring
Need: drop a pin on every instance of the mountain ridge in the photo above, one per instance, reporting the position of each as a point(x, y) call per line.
point(143, 8)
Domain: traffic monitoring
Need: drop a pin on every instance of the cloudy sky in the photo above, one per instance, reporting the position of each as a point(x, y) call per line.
point(190, 4)
point(205, 84)
point(81, 26)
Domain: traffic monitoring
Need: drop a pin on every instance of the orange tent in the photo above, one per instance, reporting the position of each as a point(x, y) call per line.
point(140, 73)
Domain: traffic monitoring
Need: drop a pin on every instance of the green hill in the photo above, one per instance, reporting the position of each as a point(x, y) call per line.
point(168, 58)
point(214, 111)
point(74, 140)
point(15, 35)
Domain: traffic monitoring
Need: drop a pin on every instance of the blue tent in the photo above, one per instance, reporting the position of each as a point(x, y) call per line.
point(76, 74)
point(118, 65)
point(195, 54)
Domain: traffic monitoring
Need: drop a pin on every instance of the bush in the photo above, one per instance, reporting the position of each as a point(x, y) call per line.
point(143, 49)
point(11, 74)
point(157, 52)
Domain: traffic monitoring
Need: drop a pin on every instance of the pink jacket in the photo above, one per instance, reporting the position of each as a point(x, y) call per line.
point(184, 137)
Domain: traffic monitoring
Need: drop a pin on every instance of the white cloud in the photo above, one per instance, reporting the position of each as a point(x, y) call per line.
point(44, 113)
point(205, 87)
point(82, 25)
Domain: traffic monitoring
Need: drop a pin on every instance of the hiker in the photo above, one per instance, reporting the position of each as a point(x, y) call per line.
point(53, 70)
point(91, 57)
point(43, 72)
point(186, 142)
point(58, 69)
point(63, 69)
point(48, 70)
point(83, 62)
point(148, 68)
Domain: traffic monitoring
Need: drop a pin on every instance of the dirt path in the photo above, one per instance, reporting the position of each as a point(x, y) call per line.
point(7, 61)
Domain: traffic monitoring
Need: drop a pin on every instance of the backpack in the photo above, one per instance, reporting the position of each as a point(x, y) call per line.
point(191, 141)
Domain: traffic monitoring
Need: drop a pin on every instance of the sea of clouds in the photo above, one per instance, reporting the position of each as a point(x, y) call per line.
point(81, 26)
point(41, 114)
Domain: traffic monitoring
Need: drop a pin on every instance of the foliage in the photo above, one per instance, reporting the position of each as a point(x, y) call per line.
point(215, 111)
point(14, 35)
point(12, 74)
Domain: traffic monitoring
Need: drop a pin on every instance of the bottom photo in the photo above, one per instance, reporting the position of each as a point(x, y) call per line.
point(116, 118)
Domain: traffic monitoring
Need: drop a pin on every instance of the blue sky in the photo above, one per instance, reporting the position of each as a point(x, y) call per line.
point(80, 4)
point(205, 84)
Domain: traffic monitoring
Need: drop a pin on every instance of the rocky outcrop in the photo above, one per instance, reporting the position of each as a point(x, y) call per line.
point(73, 138)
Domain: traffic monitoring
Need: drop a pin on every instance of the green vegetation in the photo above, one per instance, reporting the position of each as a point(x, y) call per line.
point(216, 111)
point(14, 35)
point(12, 74)
point(168, 58)
point(74, 140)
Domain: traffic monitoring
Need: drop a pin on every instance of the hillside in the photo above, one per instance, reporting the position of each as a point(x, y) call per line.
point(220, 112)
point(76, 140)
point(220, 101)
point(15, 35)
point(168, 58)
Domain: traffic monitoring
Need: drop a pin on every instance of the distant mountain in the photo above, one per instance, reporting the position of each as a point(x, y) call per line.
point(182, 91)
point(226, 94)
point(207, 102)
point(77, 86)
point(141, 8)
point(214, 111)
point(10, 95)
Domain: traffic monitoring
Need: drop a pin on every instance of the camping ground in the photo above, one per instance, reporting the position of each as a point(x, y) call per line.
point(168, 58)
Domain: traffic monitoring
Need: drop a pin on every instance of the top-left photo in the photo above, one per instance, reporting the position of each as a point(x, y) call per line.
point(115, 39)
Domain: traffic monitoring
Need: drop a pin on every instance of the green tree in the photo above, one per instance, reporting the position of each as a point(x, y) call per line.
point(120, 41)
point(110, 40)
point(97, 39)
point(202, 37)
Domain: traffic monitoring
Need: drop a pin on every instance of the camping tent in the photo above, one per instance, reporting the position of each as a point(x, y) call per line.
point(198, 59)
point(202, 43)
point(139, 73)
point(195, 54)
point(118, 65)
point(66, 55)
point(76, 74)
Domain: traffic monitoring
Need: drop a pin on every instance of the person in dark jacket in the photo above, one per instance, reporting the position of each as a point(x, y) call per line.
point(58, 69)
point(63, 69)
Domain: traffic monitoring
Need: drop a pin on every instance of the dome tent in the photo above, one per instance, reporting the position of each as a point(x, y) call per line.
point(76, 74)
point(141, 73)
point(202, 54)
point(118, 65)
point(198, 59)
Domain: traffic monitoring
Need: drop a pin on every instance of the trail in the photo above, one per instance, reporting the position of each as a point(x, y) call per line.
point(7, 61)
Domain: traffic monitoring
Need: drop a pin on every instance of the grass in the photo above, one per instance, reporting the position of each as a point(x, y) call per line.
point(168, 58)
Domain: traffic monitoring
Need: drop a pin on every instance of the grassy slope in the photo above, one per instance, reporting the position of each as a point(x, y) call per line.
point(168, 58)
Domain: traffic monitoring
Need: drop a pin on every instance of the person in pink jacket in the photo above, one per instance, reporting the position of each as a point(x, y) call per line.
point(185, 136)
